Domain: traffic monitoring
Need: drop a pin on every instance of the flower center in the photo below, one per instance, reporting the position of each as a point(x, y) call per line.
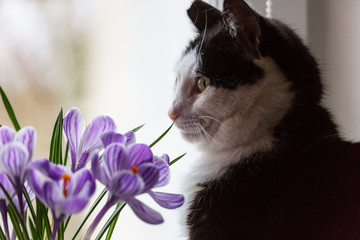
point(66, 179)
point(134, 169)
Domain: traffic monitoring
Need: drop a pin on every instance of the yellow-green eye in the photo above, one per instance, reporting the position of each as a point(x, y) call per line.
point(203, 83)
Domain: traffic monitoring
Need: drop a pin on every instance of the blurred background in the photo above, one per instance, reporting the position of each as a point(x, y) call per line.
point(115, 57)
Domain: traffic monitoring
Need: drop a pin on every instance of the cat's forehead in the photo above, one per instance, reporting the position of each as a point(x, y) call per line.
point(187, 64)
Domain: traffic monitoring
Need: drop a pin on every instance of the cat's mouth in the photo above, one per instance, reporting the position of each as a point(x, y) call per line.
point(197, 130)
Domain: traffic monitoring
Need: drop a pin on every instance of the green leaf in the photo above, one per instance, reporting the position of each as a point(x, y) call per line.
point(67, 222)
point(176, 159)
point(60, 232)
point(47, 222)
point(2, 234)
point(113, 224)
point(97, 201)
point(15, 222)
point(27, 197)
point(34, 233)
point(15, 217)
point(113, 216)
point(56, 141)
point(42, 219)
point(162, 135)
point(9, 110)
point(138, 128)
point(66, 153)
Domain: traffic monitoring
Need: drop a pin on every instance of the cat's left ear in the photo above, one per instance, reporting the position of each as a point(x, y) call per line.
point(203, 15)
point(243, 23)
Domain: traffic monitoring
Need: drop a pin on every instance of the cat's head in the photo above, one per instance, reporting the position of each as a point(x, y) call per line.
point(239, 77)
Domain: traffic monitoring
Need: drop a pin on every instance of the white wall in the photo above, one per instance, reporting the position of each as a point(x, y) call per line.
point(135, 45)
point(334, 35)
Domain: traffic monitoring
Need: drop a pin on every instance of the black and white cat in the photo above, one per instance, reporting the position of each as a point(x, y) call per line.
point(248, 92)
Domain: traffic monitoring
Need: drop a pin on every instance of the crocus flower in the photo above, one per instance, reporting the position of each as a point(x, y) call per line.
point(4, 203)
point(127, 170)
point(63, 191)
point(16, 151)
point(84, 139)
point(166, 200)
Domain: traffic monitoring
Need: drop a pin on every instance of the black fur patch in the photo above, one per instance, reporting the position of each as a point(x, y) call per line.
point(224, 60)
point(307, 186)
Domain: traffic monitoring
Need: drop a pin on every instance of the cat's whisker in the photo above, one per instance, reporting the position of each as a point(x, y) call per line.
point(209, 117)
point(203, 38)
point(208, 137)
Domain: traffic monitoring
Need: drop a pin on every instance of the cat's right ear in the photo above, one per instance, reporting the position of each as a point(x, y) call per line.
point(203, 15)
point(242, 20)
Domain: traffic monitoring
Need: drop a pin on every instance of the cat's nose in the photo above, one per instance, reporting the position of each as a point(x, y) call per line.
point(173, 114)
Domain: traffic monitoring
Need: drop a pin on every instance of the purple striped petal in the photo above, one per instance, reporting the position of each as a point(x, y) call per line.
point(91, 138)
point(140, 153)
point(27, 136)
point(98, 170)
point(50, 169)
point(130, 137)
point(74, 127)
point(126, 185)
point(150, 175)
point(81, 184)
point(5, 182)
point(73, 205)
point(14, 161)
point(167, 200)
point(36, 182)
point(29, 192)
point(6, 135)
point(84, 159)
point(116, 158)
point(164, 172)
point(145, 213)
point(111, 137)
point(53, 193)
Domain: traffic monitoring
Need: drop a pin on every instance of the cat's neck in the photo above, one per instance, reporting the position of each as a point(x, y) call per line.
point(215, 160)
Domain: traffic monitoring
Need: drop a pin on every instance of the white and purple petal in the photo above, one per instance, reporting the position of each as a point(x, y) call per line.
point(130, 137)
point(5, 182)
point(150, 175)
point(14, 162)
point(162, 163)
point(83, 160)
point(27, 136)
point(74, 127)
point(72, 205)
point(36, 181)
point(50, 169)
point(140, 153)
point(99, 170)
point(125, 185)
point(6, 135)
point(81, 184)
point(115, 158)
point(53, 195)
point(145, 213)
point(91, 138)
point(167, 200)
point(110, 137)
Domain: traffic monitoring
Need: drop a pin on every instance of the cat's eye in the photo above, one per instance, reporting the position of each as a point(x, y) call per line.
point(203, 83)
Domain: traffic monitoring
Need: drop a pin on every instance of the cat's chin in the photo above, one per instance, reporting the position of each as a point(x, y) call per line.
point(191, 136)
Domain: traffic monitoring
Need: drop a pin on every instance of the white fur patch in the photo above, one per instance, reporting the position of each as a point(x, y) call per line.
point(247, 117)
point(239, 122)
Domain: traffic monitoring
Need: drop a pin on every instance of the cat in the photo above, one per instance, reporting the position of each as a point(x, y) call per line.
point(248, 93)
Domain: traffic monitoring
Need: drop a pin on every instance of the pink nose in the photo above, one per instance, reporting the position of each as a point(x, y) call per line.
point(173, 115)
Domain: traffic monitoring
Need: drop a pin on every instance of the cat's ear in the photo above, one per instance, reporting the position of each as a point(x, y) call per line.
point(243, 23)
point(203, 15)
